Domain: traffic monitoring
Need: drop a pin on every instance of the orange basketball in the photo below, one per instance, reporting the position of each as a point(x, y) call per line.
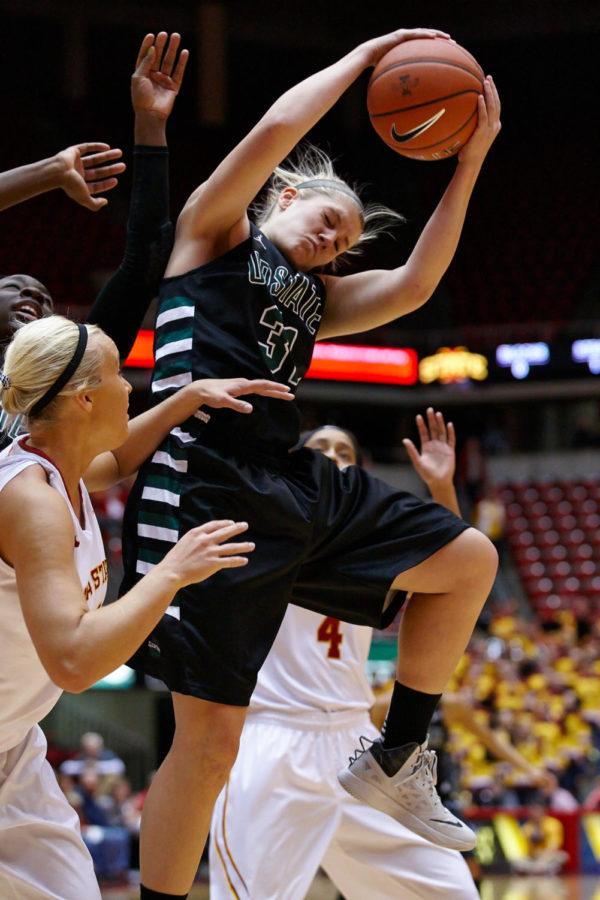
point(422, 98)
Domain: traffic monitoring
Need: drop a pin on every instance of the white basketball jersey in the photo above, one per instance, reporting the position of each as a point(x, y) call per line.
point(316, 662)
point(26, 692)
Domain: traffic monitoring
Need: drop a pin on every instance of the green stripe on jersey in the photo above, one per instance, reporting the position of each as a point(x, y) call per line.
point(153, 556)
point(164, 482)
point(164, 336)
point(172, 365)
point(162, 520)
point(174, 303)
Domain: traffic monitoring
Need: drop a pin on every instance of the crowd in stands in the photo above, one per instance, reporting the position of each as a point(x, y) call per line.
point(538, 686)
point(94, 781)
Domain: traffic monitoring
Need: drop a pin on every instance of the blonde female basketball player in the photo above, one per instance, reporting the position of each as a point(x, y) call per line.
point(238, 297)
point(55, 636)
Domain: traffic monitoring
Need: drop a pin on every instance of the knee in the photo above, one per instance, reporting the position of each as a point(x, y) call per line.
point(483, 556)
point(212, 743)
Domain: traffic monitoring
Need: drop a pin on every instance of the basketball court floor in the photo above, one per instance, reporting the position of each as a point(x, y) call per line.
point(497, 888)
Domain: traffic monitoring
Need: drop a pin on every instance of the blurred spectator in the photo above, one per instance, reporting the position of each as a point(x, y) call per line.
point(93, 751)
point(544, 834)
point(119, 807)
point(91, 809)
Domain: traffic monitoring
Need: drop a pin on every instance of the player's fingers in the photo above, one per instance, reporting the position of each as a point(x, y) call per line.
point(441, 426)
point(432, 423)
point(168, 61)
point(97, 159)
point(93, 203)
point(257, 386)
point(411, 450)
point(159, 44)
point(451, 435)
point(495, 100)
point(278, 395)
point(147, 42)
point(241, 406)
point(482, 116)
point(228, 532)
point(91, 147)
point(497, 96)
point(104, 172)
point(232, 549)
point(99, 187)
point(416, 33)
point(214, 525)
point(232, 562)
point(180, 68)
point(422, 429)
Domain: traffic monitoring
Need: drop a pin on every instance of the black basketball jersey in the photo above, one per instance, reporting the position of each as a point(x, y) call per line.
point(248, 314)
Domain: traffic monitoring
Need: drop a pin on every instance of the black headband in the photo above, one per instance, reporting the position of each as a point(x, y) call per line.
point(64, 377)
point(329, 184)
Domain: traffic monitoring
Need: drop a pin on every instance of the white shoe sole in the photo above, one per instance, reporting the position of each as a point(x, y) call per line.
point(373, 796)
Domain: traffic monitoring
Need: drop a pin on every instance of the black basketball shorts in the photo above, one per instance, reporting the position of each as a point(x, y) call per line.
point(331, 541)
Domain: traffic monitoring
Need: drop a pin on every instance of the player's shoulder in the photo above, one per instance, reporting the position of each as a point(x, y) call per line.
point(29, 492)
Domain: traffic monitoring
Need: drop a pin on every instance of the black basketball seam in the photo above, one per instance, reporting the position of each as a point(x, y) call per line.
point(424, 59)
point(393, 112)
point(446, 138)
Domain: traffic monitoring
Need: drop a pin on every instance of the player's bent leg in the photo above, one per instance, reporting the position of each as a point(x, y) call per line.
point(275, 817)
point(398, 775)
point(179, 804)
point(42, 854)
point(449, 590)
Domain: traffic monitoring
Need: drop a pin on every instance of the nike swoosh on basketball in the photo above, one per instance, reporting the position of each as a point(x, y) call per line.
point(415, 132)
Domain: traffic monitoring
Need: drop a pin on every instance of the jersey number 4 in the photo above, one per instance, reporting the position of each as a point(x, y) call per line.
point(329, 633)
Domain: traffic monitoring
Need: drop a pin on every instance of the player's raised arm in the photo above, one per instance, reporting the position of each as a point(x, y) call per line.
point(82, 171)
point(220, 203)
point(155, 84)
point(369, 299)
point(435, 461)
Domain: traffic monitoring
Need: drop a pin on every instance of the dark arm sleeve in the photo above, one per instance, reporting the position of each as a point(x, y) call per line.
point(122, 303)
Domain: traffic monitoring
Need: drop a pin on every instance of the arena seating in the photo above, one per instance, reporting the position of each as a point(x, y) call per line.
point(554, 532)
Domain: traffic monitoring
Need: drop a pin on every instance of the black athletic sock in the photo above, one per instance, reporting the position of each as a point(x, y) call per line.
point(149, 894)
point(408, 717)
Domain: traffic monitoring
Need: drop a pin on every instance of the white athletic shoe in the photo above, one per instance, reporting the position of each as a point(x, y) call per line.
point(401, 782)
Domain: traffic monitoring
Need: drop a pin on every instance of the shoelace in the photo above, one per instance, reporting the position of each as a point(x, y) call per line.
point(363, 741)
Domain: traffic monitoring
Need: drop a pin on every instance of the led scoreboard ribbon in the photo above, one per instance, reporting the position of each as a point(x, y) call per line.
point(333, 362)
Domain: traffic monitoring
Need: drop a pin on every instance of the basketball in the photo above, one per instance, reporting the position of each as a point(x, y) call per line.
point(422, 98)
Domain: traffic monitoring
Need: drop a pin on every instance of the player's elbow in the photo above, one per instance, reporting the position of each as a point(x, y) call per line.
point(69, 674)
point(414, 288)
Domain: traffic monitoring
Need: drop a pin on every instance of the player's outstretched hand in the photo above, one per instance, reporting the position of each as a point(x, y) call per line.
point(220, 393)
point(87, 170)
point(158, 75)
point(207, 549)
point(436, 461)
point(376, 48)
point(488, 125)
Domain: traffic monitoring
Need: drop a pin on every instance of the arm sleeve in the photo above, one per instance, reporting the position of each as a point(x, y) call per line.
point(122, 303)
